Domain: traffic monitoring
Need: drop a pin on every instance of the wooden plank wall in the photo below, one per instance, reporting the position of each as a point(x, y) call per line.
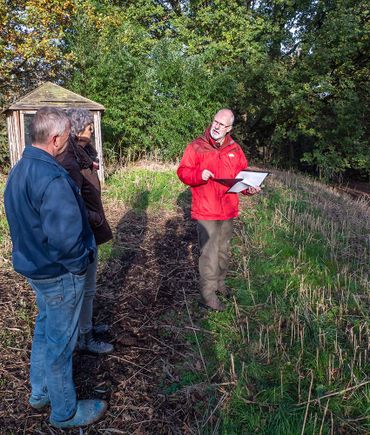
point(99, 145)
point(15, 146)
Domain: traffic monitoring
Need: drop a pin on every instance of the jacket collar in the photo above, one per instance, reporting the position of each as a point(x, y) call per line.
point(228, 140)
point(32, 152)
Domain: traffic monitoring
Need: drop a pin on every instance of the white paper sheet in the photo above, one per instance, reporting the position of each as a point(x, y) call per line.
point(250, 179)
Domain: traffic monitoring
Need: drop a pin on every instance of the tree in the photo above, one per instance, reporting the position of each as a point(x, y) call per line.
point(32, 44)
point(294, 72)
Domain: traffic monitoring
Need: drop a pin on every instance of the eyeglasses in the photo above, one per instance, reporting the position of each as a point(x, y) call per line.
point(220, 124)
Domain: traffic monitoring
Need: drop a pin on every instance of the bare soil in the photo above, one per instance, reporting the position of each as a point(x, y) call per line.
point(147, 292)
point(356, 189)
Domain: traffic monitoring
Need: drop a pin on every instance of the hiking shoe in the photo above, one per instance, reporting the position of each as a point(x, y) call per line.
point(88, 411)
point(88, 342)
point(38, 402)
point(101, 328)
point(214, 303)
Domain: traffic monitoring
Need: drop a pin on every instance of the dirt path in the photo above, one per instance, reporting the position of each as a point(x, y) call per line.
point(141, 292)
point(356, 189)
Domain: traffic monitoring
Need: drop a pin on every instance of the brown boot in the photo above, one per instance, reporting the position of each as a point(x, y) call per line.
point(214, 303)
point(225, 291)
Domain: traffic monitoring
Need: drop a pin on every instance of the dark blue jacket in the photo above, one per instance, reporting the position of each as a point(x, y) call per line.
point(47, 218)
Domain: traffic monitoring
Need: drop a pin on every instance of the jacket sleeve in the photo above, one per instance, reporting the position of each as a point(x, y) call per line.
point(74, 172)
point(95, 219)
point(63, 226)
point(188, 170)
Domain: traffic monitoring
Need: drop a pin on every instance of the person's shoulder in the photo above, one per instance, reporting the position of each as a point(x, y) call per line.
point(198, 144)
point(41, 166)
point(233, 142)
point(237, 146)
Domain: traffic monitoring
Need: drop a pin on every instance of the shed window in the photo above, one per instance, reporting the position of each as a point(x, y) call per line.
point(27, 128)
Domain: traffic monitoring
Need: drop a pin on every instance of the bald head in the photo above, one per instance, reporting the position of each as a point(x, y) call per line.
point(227, 114)
point(222, 124)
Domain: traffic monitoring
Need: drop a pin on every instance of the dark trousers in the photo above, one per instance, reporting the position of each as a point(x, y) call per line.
point(214, 243)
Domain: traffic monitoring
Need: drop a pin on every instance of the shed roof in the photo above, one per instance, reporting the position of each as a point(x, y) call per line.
point(50, 94)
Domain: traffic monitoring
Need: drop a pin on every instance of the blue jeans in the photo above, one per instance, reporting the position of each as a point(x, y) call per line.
point(59, 303)
point(86, 314)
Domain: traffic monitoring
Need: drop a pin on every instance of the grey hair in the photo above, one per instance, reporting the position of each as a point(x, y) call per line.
point(80, 119)
point(47, 122)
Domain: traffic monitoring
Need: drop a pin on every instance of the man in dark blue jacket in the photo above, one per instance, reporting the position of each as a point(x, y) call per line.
point(52, 247)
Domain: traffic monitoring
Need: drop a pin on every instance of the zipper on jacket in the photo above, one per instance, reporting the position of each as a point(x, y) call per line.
point(220, 194)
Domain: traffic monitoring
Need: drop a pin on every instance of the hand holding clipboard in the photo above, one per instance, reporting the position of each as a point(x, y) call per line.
point(243, 180)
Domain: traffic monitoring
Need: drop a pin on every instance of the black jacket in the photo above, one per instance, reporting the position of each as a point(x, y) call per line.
point(78, 159)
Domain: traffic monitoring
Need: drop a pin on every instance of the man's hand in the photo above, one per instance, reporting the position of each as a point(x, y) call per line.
point(206, 175)
point(253, 190)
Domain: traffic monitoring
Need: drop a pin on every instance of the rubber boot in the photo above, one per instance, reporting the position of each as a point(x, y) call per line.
point(88, 411)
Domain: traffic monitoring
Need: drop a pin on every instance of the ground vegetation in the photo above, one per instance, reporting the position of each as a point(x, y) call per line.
point(288, 356)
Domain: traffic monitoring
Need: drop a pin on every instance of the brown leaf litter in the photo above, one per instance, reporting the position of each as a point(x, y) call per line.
point(140, 294)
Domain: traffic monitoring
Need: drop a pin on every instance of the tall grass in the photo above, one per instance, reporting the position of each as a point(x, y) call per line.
point(298, 329)
point(291, 350)
point(144, 187)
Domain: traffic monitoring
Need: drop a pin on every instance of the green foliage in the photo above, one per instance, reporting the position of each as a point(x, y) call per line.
point(4, 147)
point(32, 44)
point(295, 73)
point(157, 97)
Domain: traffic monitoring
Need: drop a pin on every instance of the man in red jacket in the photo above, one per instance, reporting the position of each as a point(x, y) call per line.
point(211, 156)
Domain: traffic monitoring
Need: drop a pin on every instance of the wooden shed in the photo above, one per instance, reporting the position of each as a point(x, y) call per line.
point(19, 116)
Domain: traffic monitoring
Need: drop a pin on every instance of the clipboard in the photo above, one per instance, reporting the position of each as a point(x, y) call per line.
point(243, 180)
point(229, 182)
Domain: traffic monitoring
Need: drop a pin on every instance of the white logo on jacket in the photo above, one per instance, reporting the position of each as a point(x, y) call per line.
point(231, 155)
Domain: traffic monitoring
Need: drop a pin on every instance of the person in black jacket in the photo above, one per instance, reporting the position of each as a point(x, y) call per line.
point(81, 162)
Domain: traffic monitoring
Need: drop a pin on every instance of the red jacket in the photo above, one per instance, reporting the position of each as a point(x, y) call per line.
point(209, 198)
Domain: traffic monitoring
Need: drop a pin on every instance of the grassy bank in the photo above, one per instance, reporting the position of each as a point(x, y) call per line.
point(294, 342)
